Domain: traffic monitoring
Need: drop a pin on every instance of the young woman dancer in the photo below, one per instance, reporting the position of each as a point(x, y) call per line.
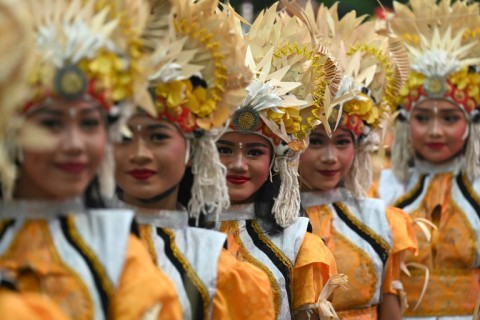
point(435, 155)
point(154, 165)
point(367, 239)
point(259, 150)
point(17, 44)
point(55, 237)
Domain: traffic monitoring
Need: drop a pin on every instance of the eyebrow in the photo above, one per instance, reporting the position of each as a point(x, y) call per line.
point(57, 113)
point(62, 112)
point(248, 145)
point(91, 110)
point(420, 109)
point(157, 126)
point(343, 135)
point(151, 127)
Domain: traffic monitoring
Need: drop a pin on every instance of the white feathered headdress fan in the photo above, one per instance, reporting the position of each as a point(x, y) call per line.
point(442, 38)
point(295, 80)
point(198, 74)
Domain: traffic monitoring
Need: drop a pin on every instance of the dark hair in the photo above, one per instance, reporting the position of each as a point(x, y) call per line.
point(264, 201)
point(92, 198)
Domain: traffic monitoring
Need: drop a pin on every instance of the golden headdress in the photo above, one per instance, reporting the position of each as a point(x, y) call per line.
point(442, 38)
point(86, 48)
point(295, 80)
point(443, 41)
point(375, 69)
point(198, 75)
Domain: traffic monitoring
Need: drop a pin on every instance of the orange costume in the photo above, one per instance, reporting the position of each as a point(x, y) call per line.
point(28, 306)
point(368, 242)
point(86, 261)
point(449, 200)
point(297, 262)
point(210, 282)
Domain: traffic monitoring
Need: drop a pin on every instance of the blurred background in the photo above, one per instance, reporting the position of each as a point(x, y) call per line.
point(250, 8)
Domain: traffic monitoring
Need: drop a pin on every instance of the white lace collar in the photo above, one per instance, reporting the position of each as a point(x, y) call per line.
point(318, 198)
point(454, 166)
point(175, 219)
point(41, 208)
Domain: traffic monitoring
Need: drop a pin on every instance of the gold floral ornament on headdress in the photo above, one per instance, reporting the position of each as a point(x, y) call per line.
point(443, 41)
point(197, 76)
point(442, 38)
point(375, 68)
point(86, 48)
point(199, 57)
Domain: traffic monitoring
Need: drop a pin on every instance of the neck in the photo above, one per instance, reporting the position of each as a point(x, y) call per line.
point(27, 189)
point(166, 200)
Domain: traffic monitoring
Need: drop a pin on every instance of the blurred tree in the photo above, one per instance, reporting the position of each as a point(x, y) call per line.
point(361, 6)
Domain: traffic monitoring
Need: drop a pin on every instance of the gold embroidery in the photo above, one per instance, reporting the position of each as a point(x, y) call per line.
point(353, 298)
point(471, 231)
point(147, 239)
point(232, 226)
point(191, 273)
point(33, 247)
point(3, 225)
point(470, 190)
point(92, 257)
point(351, 260)
point(277, 252)
point(364, 227)
point(409, 194)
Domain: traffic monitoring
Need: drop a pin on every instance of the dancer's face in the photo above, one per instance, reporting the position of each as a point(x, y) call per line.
point(151, 162)
point(327, 160)
point(78, 138)
point(438, 130)
point(247, 158)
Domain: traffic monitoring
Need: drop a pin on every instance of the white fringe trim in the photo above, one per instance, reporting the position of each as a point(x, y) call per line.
point(472, 152)
point(401, 151)
point(209, 189)
point(106, 174)
point(287, 204)
point(360, 176)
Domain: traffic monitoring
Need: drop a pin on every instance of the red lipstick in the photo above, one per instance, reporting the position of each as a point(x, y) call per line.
point(329, 173)
point(238, 180)
point(436, 145)
point(141, 174)
point(72, 167)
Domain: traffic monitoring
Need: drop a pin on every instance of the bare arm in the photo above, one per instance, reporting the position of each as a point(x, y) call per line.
point(389, 309)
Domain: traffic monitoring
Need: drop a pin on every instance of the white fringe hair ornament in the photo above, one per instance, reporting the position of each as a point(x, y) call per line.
point(295, 79)
point(444, 47)
point(375, 69)
point(196, 60)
